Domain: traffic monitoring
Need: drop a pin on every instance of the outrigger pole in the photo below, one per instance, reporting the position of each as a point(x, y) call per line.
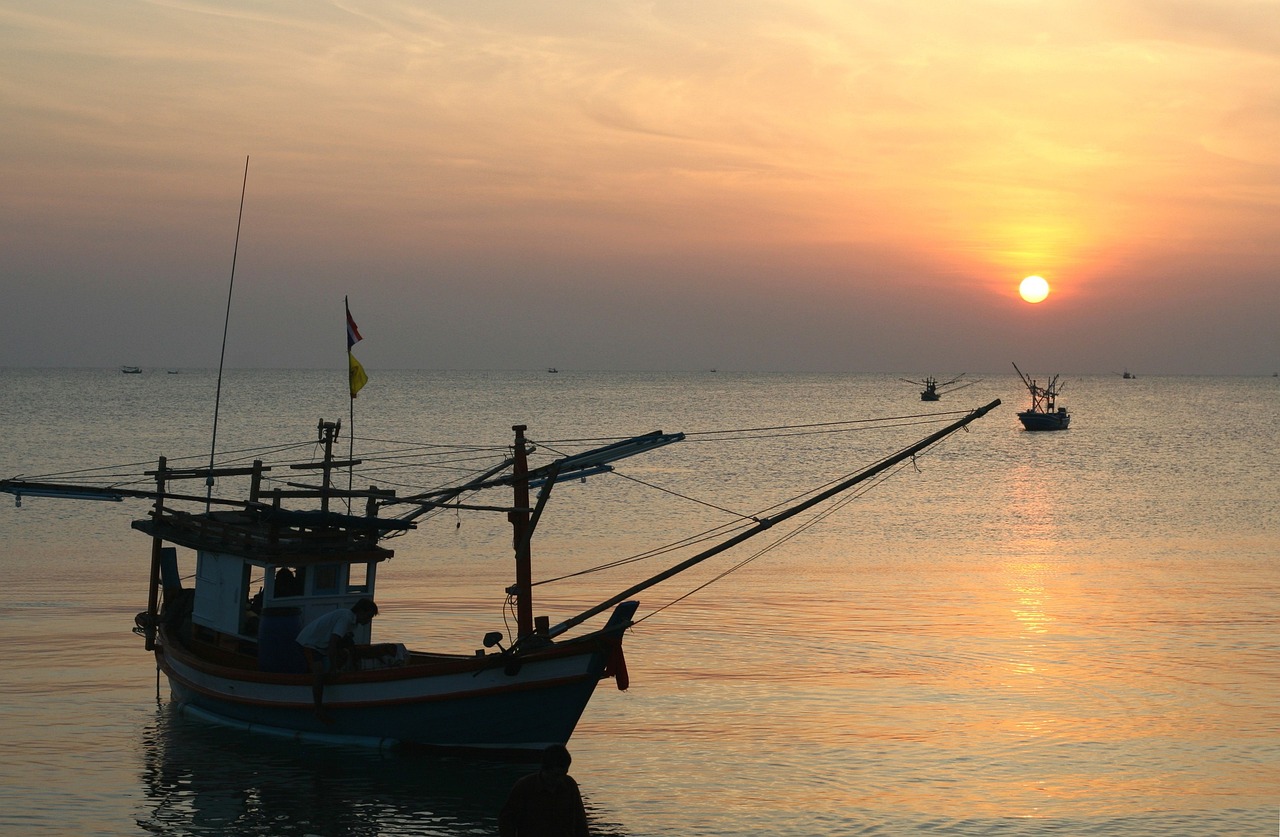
point(768, 522)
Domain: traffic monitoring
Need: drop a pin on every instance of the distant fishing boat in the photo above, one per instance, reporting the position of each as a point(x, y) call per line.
point(131, 370)
point(1044, 414)
point(230, 654)
point(931, 389)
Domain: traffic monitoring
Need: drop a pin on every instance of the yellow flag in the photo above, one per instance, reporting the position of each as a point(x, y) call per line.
point(358, 377)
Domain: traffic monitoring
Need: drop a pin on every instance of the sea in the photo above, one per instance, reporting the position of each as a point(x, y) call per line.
point(1065, 633)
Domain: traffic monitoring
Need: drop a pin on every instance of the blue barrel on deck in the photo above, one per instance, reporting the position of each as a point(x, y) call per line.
point(278, 650)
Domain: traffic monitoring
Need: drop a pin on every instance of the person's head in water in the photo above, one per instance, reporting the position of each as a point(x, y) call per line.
point(556, 761)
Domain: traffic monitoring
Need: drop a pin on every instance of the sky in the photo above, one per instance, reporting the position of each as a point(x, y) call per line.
point(799, 185)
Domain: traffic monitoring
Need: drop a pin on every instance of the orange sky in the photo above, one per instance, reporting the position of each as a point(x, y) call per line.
point(794, 185)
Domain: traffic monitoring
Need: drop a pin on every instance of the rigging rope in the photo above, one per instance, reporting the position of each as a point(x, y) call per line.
point(835, 505)
point(817, 518)
point(460, 461)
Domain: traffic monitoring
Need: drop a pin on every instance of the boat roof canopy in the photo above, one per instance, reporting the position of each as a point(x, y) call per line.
point(287, 539)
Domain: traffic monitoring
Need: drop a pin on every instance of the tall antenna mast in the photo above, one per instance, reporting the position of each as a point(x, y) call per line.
point(217, 399)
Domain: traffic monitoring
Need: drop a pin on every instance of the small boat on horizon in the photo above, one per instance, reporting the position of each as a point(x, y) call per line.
point(1044, 414)
point(131, 370)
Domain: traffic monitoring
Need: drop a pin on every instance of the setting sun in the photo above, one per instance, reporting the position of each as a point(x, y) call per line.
point(1034, 289)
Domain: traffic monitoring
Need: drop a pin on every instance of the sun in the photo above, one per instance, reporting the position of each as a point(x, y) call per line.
point(1034, 289)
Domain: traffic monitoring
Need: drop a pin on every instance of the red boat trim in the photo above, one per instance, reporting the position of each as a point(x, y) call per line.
point(616, 667)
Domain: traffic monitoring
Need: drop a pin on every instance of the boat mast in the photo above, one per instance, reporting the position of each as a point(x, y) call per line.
point(519, 517)
point(328, 432)
point(157, 550)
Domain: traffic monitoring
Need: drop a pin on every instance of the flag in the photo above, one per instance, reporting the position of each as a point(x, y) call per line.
point(353, 333)
point(355, 370)
point(358, 376)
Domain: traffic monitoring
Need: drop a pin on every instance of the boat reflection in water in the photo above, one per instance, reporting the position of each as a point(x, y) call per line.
point(202, 779)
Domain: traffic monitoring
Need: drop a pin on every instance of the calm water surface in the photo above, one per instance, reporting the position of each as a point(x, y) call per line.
point(1068, 633)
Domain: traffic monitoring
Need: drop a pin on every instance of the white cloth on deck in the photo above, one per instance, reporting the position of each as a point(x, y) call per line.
point(315, 636)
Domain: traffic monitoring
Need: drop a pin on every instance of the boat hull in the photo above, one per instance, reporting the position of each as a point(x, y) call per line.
point(484, 704)
point(1032, 420)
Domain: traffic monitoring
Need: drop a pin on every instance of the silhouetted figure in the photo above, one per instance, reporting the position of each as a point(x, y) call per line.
point(287, 584)
point(547, 803)
point(329, 645)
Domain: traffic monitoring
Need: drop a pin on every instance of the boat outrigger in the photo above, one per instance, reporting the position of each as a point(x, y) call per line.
point(230, 656)
point(1044, 413)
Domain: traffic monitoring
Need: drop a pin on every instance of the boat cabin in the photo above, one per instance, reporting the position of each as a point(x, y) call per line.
point(233, 592)
point(253, 606)
point(262, 571)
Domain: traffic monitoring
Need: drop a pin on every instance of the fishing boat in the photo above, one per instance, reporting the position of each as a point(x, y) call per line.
point(131, 370)
point(270, 553)
point(1044, 413)
point(932, 389)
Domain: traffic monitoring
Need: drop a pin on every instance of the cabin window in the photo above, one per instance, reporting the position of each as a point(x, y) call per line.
point(358, 582)
point(251, 579)
point(327, 579)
